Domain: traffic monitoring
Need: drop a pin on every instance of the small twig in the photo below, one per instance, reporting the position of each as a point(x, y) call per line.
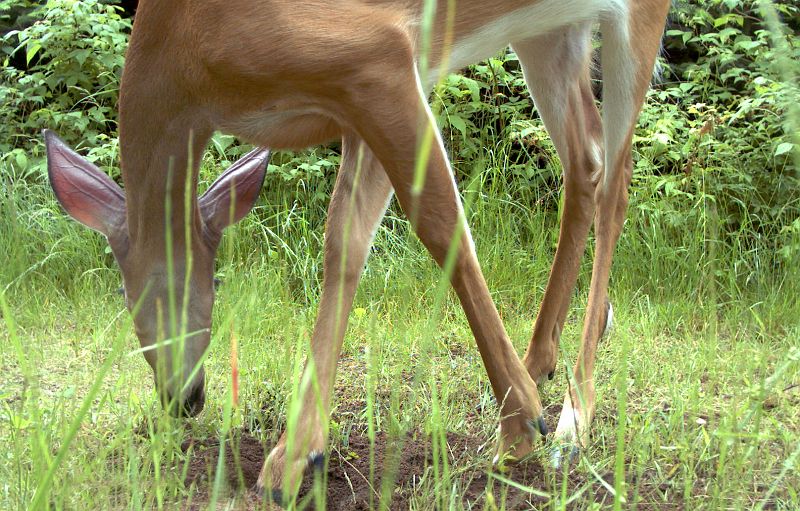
point(359, 473)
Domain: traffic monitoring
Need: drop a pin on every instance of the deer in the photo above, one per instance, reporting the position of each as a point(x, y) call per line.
point(286, 74)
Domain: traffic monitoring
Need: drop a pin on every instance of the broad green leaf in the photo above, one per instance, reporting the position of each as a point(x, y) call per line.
point(783, 148)
point(458, 123)
point(22, 160)
point(33, 49)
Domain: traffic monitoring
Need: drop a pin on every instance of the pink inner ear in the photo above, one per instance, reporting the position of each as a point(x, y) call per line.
point(240, 186)
point(85, 192)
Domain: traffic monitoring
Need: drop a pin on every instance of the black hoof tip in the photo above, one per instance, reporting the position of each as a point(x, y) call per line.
point(317, 460)
point(277, 496)
point(542, 426)
point(574, 454)
point(539, 424)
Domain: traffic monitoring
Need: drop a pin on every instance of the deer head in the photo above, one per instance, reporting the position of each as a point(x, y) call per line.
point(172, 316)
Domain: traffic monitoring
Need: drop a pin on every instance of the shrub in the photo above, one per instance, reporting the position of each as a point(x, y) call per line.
point(74, 54)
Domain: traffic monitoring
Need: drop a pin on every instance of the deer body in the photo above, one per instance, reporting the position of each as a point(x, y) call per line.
point(292, 74)
point(278, 70)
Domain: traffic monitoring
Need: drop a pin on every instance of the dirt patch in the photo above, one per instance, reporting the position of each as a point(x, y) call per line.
point(407, 462)
point(404, 462)
point(357, 469)
point(243, 459)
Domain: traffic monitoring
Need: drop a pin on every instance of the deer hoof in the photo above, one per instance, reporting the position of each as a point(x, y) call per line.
point(275, 496)
point(317, 460)
point(538, 425)
point(558, 455)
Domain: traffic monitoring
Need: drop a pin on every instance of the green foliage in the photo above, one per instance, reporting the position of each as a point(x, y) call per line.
point(717, 141)
point(14, 13)
point(487, 114)
point(718, 147)
point(716, 150)
point(74, 55)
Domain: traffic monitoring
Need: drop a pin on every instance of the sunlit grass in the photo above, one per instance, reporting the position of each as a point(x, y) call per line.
point(707, 425)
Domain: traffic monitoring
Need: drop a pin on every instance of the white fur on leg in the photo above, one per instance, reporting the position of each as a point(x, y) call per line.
point(609, 320)
point(568, 423)
point(619, 75)
point(567, 437)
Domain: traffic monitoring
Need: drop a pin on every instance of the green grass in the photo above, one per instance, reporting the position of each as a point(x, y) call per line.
point(698, 384)
point(698, 397)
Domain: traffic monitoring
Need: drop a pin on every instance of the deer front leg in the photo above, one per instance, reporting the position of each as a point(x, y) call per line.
point(392, 119)
point(359, 200)
point(556, 68)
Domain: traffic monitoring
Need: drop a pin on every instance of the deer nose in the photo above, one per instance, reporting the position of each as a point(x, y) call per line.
point(191, 405)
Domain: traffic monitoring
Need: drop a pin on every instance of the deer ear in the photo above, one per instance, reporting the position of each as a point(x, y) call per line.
point(85, 192)
point(234, 193)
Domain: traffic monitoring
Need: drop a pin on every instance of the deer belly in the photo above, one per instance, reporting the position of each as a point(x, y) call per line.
point(284, 130)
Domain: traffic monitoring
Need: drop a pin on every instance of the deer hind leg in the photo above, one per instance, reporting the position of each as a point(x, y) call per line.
point(359, 200)
point(627, 71)
point(556, 69)
point(391, 119)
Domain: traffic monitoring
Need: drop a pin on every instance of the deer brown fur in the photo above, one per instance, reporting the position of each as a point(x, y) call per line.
point(291, 74)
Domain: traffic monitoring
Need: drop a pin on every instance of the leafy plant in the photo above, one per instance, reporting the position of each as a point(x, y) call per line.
point(74, 55)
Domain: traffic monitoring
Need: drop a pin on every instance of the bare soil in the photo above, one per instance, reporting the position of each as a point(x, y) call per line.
point(408, 462)
point(347, 475)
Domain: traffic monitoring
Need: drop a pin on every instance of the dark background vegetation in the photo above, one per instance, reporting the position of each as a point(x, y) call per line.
point(717, 142)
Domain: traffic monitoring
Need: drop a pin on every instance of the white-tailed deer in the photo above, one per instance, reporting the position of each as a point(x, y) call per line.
point(291, 74)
